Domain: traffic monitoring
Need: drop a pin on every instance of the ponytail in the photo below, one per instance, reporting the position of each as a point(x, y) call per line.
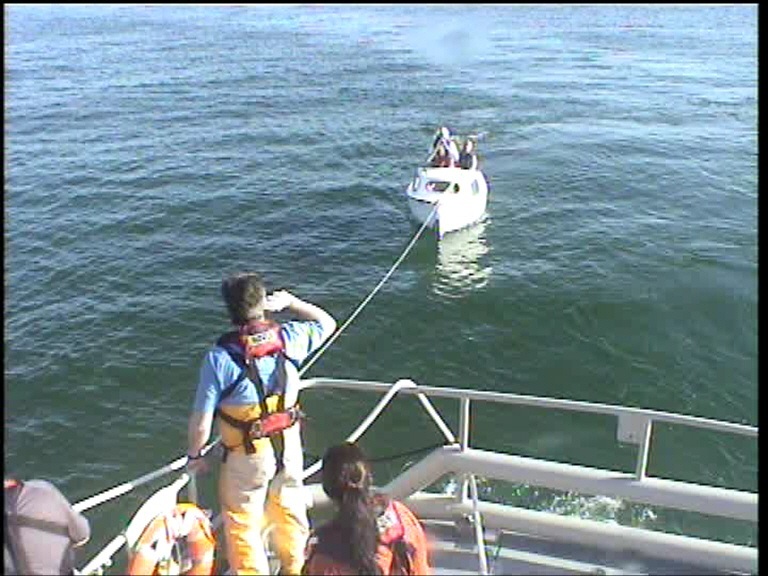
point(357, 523)
point(347, 481)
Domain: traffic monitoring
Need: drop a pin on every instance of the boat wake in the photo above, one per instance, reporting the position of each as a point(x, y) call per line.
point(461, 262)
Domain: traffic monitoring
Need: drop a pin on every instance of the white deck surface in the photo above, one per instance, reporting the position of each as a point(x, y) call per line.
point(454, 551)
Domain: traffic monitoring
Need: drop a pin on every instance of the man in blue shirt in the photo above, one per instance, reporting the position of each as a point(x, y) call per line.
point(250, 372)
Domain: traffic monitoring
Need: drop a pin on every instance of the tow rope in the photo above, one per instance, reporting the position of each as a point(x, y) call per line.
point(368, 298)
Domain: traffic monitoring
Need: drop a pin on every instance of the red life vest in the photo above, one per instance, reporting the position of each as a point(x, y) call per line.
point(402, 546)
point(392, 535)
point(258, 339)
point(261, 338)
point(252, 341)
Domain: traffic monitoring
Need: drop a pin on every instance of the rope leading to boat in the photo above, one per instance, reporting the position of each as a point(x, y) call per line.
point(368, 298)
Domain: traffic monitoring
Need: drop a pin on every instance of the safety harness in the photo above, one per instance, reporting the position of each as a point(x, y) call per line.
point(251, 342)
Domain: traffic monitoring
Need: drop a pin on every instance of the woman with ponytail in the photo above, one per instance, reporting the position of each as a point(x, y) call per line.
point(371, 533)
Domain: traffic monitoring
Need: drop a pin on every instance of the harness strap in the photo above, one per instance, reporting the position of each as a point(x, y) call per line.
point(264, 426)
point(275, 440)
point(251, 371)
point(401, 557)
point(13, 546)
point(279, 421)
point(231, 388)
point(255, 377)
point(37, 524)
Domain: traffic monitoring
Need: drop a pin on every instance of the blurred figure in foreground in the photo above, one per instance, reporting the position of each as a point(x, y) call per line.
point(41, 529)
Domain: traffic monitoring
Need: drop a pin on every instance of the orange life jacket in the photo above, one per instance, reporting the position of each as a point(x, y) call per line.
point(185, 530)
point(252, 341)
point(402, 546)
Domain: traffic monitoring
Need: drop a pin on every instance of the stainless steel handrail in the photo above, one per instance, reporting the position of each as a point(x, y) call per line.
point(635, 426)
point(537, 401)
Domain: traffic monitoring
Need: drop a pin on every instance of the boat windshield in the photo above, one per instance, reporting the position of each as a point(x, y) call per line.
point(437, 186)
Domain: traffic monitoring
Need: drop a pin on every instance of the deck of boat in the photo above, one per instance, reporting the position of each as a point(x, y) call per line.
point(471, 536)
point(454, 551)
point(524, 541)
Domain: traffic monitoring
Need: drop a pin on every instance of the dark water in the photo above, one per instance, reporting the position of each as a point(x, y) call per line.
point(152, 150)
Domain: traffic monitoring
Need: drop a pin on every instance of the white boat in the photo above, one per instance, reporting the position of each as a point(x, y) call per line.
point(447, 199)
point(470, 535)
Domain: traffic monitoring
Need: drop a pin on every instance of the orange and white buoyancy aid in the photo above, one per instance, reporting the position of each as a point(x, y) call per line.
point(403, 544)
point(252, 426)
point(402, 550)
point(180, 541)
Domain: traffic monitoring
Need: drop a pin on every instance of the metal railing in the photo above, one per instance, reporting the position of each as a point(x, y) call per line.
point(634, 426)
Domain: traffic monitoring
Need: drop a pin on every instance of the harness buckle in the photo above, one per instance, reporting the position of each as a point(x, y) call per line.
point(254, 430)
point(274, 423)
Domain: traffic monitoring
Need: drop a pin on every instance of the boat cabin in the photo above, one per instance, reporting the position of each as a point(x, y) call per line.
point(451, 180)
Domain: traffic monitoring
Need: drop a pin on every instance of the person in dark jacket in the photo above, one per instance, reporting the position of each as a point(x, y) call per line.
point(467, 157)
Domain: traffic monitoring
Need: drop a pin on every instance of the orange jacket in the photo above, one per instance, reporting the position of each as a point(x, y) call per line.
point(396, 522)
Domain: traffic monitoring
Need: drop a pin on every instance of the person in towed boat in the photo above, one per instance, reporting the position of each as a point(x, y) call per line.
point(444, 147)
point(468, 158)
point(249, 383)
point(439, 158)
point(41, 529)
point(441, 135)
point(371, 533)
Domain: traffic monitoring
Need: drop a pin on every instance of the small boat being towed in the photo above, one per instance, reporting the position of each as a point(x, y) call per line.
point(462, 196)
point(447, 198)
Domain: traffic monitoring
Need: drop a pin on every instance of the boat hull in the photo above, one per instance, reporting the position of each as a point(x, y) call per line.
point(433, 200)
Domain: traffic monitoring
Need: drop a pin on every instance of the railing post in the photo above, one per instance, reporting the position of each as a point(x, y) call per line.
point(464, 442)
point(464, 424)
point(642, 452)
point(436, 418)
point(478, 525)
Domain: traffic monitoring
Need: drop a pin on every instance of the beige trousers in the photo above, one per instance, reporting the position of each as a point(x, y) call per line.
point(256, 502)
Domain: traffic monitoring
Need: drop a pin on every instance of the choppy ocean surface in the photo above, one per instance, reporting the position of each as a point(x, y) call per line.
point(149, 151)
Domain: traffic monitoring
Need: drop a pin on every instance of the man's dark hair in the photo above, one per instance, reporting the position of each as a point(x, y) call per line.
point(242, 293)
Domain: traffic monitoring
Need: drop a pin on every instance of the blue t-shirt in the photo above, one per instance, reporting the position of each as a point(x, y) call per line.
point(219, 370)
